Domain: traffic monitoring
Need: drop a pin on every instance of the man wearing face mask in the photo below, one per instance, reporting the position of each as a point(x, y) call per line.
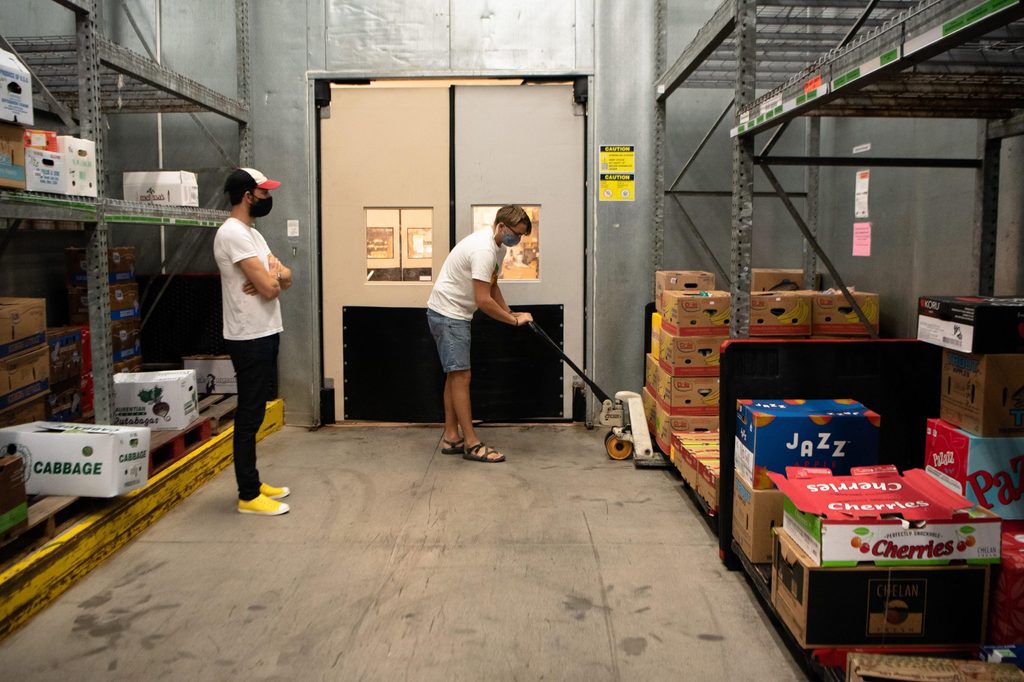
point(469, 281)
point(251, 281)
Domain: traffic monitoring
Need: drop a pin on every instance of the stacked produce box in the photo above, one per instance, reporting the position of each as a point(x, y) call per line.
point(24, 367)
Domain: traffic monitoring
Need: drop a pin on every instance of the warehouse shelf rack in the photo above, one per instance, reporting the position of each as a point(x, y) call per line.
point(936, 58)
point(931, 58)
point(88, 76)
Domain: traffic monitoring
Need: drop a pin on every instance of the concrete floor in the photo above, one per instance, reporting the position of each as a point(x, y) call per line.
point(400, 563)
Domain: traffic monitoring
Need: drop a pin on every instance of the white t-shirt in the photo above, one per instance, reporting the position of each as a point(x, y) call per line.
point(476, 257)
point(245, 317)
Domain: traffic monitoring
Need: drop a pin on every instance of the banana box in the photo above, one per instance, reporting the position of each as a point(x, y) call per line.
point(833, 315)
point(774, 434)
point(690, 355)
point(694, 396)
point(780, 313)
point(655, 334)
point(666, 423)
point(703, 314)
point(707, 482)
point(690, 449)
point(689, 281)
point(651, 367)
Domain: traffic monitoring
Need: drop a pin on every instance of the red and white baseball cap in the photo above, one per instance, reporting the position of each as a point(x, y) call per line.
point(246, 179)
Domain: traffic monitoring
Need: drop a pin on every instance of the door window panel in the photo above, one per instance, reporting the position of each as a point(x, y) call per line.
point(399, 245)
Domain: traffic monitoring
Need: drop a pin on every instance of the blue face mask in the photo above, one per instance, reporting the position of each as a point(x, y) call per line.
point(510, 238)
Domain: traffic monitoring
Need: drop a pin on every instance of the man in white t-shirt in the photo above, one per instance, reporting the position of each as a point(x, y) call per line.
point(469, 281)
point(251, 281)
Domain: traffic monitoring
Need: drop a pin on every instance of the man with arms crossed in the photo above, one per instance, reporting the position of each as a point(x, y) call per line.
point(468, 281)
point(251, 281)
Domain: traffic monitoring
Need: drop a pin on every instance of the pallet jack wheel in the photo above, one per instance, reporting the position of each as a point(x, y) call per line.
point(616, 448)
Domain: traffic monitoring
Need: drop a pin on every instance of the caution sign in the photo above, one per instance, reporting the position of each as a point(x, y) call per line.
point(617, 187)
point(617, 173)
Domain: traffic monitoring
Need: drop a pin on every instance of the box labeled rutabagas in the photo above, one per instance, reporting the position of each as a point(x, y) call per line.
point(80, 459)
point(876, 515)
point(874, 605)
point(159, 400)
point(983, 394)
point(215, 373)
point(774, 434)
point(987, 471)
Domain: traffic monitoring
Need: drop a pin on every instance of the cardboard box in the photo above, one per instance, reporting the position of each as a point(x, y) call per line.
point(30, 411)
point(65, 353)
point(656, 334)
point(13, 503)
point(159, 400)
point(15, 91)
point(693, 396)
point(64, 402)
point(706, 314)
point(45, 171)
point(972, 324)
point(1003, 653)
point(24, 376)
point(665, 423)
point(80, 459)
point(777, 279)
point(863, 667)
point(214, 373)
point(125, 340)
point(987, 471)
point(79, 165)
point(46, 140)
point(124, 302)
point(133, 364)
point(168, 188)
point(872, 605)
point(691, 281)
point(707, 483)
point(120, 265)
point(784, 313)
point(983, 394)
point(833, 315)
point(22, 324)
point(12, 157)
point(651, 368)
point(755, 513)
point(692, 450)
point(690, 355)
point(1006, 615)
point(774, 434)
point(876, 515)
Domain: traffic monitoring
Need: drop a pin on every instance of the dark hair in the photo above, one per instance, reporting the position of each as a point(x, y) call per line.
point(237, 184)
point(512, 215)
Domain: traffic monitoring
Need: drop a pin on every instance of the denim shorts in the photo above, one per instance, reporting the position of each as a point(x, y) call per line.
point(452, 339)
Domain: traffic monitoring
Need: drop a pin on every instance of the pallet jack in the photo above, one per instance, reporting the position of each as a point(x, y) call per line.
point(624, 415)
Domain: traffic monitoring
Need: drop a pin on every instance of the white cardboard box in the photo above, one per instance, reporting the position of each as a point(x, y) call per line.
point(160, 400)
point(15, 91)
point(79, 165)
point(80, 459)
point(215, 373)
point(45, 171)
point(166, 188)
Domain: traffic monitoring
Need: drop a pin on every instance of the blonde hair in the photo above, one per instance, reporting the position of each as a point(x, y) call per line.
point(512, 215)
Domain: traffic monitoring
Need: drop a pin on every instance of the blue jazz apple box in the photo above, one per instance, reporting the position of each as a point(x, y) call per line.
point(836, 434)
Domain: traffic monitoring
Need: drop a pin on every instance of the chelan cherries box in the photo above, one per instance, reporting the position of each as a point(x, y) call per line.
point(876, 515)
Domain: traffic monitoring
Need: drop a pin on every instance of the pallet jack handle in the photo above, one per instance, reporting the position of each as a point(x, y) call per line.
point(601, 395)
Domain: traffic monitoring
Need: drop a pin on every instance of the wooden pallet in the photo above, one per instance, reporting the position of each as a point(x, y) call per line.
point(220, 410)
point(47, 514)
point(167, 447)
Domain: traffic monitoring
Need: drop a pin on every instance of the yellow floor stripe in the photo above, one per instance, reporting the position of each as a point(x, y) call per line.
point(30, 585)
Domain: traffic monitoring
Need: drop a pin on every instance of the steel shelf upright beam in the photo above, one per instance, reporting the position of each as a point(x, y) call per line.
point(743, 170)
point(986, 213)
point(242, 33)
point(813, 179)
point(91, 127)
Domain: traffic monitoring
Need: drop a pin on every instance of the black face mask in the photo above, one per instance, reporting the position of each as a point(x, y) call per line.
point(261, 207)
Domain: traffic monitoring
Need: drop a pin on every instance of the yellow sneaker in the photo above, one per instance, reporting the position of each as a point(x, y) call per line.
point(274, 493)
point(263, 505)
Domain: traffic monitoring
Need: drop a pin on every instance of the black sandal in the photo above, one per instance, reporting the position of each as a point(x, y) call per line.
point(449, 447)
point(481, 452)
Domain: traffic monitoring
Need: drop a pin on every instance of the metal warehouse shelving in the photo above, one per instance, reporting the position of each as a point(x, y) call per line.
point(877, 58)
point(85, 77)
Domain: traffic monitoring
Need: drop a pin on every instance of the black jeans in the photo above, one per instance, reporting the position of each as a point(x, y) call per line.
point(255, 364)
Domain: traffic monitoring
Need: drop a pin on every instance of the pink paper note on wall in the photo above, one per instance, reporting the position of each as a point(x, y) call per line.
point(862, 239)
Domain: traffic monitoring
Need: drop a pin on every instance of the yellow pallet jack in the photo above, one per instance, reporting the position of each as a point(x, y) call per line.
point(624, 415)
